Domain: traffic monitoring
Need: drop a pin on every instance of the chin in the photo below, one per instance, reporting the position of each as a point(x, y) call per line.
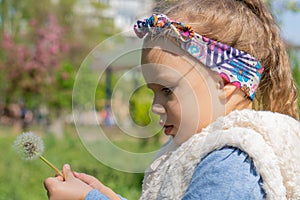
point(179, 140)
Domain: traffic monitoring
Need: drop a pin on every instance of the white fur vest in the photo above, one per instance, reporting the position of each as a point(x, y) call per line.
point(272, 140)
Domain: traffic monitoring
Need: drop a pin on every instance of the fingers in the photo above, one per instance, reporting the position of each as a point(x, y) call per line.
point(67, 172)
point(48, 184)
point(96, 184)
point(85, 177)
point(59, 178)
point(90, 180)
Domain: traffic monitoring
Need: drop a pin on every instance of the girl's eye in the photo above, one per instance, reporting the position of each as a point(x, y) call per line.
point(167, 91)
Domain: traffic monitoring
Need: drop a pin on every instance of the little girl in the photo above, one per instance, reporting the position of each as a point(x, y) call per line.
point(209, 62)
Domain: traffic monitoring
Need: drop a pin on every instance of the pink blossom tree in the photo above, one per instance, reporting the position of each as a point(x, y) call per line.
point(30, 71)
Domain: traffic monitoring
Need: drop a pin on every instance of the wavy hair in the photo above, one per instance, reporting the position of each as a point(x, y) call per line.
point(246, 25)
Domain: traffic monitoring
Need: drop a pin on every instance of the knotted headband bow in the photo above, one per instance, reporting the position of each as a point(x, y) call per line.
point(234, 66)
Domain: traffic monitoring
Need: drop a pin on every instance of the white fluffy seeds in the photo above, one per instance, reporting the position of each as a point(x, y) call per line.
point(29, 146)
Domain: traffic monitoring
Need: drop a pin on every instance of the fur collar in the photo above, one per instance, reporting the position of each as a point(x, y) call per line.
point(270, 139)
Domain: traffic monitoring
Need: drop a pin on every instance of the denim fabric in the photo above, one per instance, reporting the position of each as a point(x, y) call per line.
point(96, 195)
point(225, 174)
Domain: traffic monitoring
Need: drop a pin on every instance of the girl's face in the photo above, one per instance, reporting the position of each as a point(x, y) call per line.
point(185, 96)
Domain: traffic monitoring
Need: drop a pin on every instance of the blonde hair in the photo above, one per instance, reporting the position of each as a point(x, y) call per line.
point(249, 26)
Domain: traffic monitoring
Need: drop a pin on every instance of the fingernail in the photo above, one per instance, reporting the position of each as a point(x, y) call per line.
point(67, 166)
point(76, 173)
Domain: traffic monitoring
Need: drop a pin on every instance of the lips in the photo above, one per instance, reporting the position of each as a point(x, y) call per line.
point(168, 129)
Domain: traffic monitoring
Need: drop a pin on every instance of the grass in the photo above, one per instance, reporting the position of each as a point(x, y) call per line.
point(24, 179)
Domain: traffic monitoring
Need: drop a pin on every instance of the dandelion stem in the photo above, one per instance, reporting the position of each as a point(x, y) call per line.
point(50, 165)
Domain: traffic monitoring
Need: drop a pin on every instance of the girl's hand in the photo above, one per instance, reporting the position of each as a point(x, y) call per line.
point(71, 188)
point(96, 184)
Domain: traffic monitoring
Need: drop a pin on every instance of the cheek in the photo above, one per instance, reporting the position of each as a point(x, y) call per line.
point(186, 114)
point(174, 111)
point(189, 112)
point(197, 109)
point(206, 108)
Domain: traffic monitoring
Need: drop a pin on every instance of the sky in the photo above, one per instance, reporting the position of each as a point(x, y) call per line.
point(291, 27)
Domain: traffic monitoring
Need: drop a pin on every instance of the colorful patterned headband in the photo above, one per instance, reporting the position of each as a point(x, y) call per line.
point(234, 66)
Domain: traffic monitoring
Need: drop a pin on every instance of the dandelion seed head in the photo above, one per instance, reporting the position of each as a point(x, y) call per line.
point(29, 145)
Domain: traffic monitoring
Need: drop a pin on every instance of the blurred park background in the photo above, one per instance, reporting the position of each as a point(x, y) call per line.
point(43, 44)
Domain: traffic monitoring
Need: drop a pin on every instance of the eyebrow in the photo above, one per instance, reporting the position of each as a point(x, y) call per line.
point(163, 80)
point(167, 79)
point(162, 83)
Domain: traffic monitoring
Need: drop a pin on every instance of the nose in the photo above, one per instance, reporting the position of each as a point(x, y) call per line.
point(158, 109)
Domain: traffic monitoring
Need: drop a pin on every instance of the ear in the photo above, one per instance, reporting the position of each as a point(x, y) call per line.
point(228, 91)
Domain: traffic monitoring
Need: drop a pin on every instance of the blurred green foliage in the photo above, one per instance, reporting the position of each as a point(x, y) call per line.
point(140, 106)
point(295, 62)
point(30, 32)
point(22, 180)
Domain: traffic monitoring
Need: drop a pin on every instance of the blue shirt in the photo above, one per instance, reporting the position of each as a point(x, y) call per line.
point(226, 174)
point(96, 195)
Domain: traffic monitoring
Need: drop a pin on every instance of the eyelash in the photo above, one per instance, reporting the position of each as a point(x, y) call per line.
point(167, 90)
